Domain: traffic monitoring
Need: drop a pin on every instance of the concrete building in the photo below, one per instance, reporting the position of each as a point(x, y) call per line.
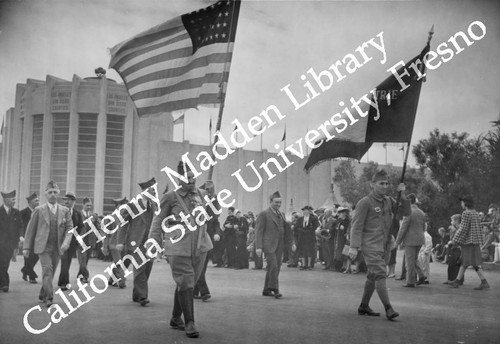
point(86, 135)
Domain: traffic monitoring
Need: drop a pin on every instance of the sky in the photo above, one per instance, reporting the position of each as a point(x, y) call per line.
point(276, 42)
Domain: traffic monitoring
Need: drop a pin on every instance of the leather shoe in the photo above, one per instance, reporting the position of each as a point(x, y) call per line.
point(277, 295)
point(177, 323)
point(144, 302)
point(391, 313)
point(366, 310)
point(191, 331)
point(48, 302)
point(421, 280)
point(25, 277)
point(33, 281)
point(408, 285)
point(267, 293)
point(5, 289)
point(400, 278)
point(206, 297)
point(197, 297)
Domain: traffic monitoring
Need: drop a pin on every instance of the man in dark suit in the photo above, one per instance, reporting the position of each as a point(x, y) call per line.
point(77, 219)
point(133, 236)
point(11, 228)
point(48, 235)
point(83, 257)
point(230, 237)
point(29, 263)
point(272, 235)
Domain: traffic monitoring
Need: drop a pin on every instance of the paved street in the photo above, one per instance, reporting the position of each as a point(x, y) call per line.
point(318, 307)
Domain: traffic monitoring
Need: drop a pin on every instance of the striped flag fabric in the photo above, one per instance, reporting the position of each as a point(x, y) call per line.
point(182, 63)
point(397, 116)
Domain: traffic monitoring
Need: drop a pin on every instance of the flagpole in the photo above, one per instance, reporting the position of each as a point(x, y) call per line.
point(183, 125)
point(395, 228)
point(221, 95)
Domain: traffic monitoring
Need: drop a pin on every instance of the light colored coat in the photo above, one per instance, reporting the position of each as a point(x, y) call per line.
point(37, 233)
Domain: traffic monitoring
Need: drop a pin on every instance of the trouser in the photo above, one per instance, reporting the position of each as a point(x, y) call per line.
point(273, 260)
point(376, 277)
point(118, 271)
point(259, 261)
point(5, 257)
point(29, 265)
point(201, 286)
point(230, 243)
point(403, 267)
point(187, 270)
point(241, 253)
point(424, 261)
point(142, 270)
point(49, 261)
point(65, 265)
point(83, 259)
point(218, 252)
point(412, 267)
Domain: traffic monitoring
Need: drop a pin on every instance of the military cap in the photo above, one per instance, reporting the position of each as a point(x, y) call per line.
point(51, 185)
point(11, 194)
point(275, 195)
point(119, 201)
point(182, 167)
point(379, 175)
point(145, 185)
point(70, 195)
point(31, 197)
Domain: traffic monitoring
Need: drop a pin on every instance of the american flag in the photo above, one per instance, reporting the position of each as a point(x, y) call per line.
point(182, 63)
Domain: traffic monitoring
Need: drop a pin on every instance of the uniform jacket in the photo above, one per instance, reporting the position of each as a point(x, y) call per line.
point(268, 233)
point(38, 229)
point(137, 229)
point(193, 242)
point(77, 219)
point(371, 224)
point(11, 228)
point(25, 216)
point(412, 228)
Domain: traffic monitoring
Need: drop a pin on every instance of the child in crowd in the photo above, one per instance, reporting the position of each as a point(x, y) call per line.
point(453, 251)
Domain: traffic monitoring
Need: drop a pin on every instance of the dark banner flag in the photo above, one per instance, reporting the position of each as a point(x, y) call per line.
point(392, 123)
point(181, 63)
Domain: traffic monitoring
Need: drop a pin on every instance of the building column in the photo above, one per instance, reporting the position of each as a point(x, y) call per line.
point(100, 154)
point(47, 134)
point(73, 136)
point(27, 114)
point(128, 134)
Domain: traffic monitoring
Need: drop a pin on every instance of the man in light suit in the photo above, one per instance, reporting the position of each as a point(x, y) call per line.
point(29, 263)
point(272, 234)
point(11, 227)
point(411, 236)
point(49, 237)
point(133, 236)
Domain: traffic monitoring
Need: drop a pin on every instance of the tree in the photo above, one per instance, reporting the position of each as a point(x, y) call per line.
point(345, 177)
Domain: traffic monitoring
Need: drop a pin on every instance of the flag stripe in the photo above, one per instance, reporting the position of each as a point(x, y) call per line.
point(168, 70)
point(191, 83)
point(180, 104)
point(180, 44)
point(180, 94)
point(155, 36)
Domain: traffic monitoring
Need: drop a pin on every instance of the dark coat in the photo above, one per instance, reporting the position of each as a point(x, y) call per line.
point(25, 216)
point(11, 228)
point(268, 233)
point(307, 236)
